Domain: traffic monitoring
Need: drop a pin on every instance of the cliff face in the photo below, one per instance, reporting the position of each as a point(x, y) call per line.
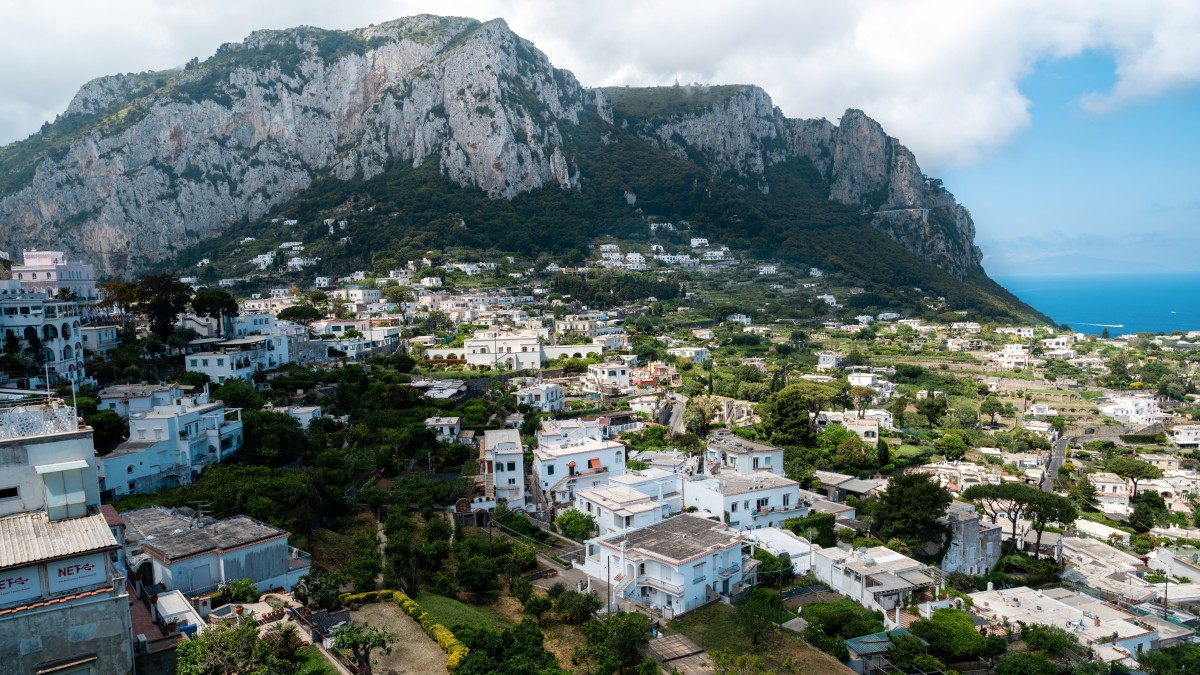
point(140, 166)
point(164, 166)
point(744, 133)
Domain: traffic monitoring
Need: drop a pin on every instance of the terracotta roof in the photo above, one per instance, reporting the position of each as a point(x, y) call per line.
point(111, 516)
point(55, 601)
point(31, 537)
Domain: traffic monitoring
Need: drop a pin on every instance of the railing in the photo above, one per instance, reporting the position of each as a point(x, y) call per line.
point(728, 571)
point(660, 585)
point(21, 422)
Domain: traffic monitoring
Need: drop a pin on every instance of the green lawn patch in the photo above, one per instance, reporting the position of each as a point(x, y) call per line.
point(448, 612)
point(313, 662)
point(716, 626)
point(911, 451)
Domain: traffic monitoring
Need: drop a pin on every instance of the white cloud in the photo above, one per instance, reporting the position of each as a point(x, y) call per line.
point(942, 75)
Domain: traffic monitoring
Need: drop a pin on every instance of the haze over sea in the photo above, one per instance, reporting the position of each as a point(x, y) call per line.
point(1146, 303)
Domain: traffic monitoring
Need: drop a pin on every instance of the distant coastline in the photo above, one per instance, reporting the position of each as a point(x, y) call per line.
point(1124, 304)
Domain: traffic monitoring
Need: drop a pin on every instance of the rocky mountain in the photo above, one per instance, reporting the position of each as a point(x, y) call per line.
point(142, 166)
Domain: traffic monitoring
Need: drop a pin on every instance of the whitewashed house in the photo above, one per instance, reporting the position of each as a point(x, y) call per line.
point(616, 508)
point(747, 502)
point(673, 566)
point(728, 451)
point(546, 397)
point(561, 469)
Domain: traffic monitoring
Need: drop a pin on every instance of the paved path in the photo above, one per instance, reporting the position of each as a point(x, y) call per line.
point(677, 409)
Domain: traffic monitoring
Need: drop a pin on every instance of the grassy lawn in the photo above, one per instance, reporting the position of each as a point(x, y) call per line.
point(332, 550)
point(313, 662)
point(911, 451)
point(448, 612)
point(716, 627)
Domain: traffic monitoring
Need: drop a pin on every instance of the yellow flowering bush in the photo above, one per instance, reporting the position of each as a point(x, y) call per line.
point(445, 639)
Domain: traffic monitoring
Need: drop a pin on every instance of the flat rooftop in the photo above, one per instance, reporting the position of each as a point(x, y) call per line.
point(679, 538)
point(573, 447)
point(725, 441)
point(620, 499)
point(736, 484)
point(174, 535)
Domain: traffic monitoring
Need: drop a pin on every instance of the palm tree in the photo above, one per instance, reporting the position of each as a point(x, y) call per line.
point(284, 640)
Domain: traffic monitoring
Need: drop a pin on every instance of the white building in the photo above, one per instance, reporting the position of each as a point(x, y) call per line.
point(603, 376)
point(99, 339)
point(673, 566)
point(747, 502)
point(195, 555)
point(699, 242)
point(63, 596)
point(304, 414)
point(170, 444)
point(502, 466)
point(662, 485)
point(53, 324)
point(877, 578)
point(829, 361)
point(1111, 489)
point(562, 468)
point(764, 270)
point(240, 357)
point(781, 542)
point(446, 428)
point(546, 397)
point(1136, 410)
point(728, 451)
point(1186, 435)
point(1114, 635)
point(616, 508)
point(52, 273)
point(512, 349)
point(696, 355)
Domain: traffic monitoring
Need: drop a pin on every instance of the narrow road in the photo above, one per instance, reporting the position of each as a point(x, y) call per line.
point(1058, 453)
point(677, 414)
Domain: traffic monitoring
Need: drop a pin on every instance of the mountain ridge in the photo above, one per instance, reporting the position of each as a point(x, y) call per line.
point(142, 166)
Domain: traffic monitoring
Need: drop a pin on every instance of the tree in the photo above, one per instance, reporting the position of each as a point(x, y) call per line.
point(12, 343)
point(1025, 663)
point(1133, 470)
point(758, 613)
point(883, 454)
point(1049, 508)
point(697, 417)
point(788, 414)
point(216, 304)
point(575, 607)
point(933, 408)
point(121, 295)
point(238, 393)
point(618, 641)
point(226, 647)
point(536, 606)
point(1010, 500)
point(319, 590)
point(911, 507)
point(108, 430)
point(360, 640)
point(908, 654)
point(991, 406)
point(773, 570)
point(161, 297)
point(951, 634)
point(303, 314)
point(575, 524)
point(476, 574)
point(284, 641)
point(1149, 510)
point(862, 398)
point(952, 446)
point(898, 407)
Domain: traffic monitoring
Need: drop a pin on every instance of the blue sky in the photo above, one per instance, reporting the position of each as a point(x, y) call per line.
point(1083, 192)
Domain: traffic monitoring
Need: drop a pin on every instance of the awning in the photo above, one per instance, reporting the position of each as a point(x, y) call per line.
point(62, 466)
point(594, 463)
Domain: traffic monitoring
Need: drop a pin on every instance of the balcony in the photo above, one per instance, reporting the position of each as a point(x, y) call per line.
point(298, 560)
point(726, 572)
point(22, 421)
point(654, 582)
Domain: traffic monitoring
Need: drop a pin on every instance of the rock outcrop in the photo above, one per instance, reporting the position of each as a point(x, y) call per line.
point(142, 165)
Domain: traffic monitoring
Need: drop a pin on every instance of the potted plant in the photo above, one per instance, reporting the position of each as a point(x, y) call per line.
point(239, 609)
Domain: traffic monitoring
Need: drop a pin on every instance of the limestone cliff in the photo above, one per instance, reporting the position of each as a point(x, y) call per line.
point(140, 166)
point(166, 159)
point(737, 130)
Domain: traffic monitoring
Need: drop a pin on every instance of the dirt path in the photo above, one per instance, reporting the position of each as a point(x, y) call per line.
point(412, 652)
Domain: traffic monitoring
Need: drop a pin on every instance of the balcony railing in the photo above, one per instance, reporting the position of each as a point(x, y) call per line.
point(728, 571)
point(661, 585)
point(41, 420)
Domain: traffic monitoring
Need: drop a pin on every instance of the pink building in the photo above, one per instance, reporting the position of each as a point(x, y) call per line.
point(51, 271)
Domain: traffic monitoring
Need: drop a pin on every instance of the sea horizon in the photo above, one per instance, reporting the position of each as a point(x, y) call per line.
point(1122, 303)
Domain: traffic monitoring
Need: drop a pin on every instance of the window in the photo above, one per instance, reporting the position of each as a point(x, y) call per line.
point(512, 481)
point(220, 362)
point(733, 508)
point(9, 493)
point(767, 461)
point(549, 469)
point(512, 466)
point(193, 363)
point(787, 499)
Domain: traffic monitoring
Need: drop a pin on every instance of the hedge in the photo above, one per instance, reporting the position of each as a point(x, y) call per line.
point(445, 639)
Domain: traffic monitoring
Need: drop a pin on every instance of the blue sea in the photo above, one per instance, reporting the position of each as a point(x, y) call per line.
point(1125, 304)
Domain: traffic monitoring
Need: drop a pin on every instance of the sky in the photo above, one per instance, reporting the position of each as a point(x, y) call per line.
point(1068, 127)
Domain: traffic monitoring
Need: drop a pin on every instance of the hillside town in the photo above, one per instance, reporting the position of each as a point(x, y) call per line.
point(641, 462)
